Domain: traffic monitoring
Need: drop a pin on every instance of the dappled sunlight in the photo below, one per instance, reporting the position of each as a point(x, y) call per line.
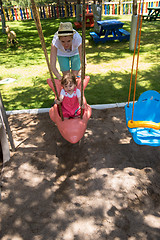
point(108, 65)
point(152, 221)
point(125, 140)
point(121, 65)
point(117, 85)
point(103, 187)
point(104, 47)
point(122, 180)
point(83, 227)
point(30, 175)
point(115, 119)
point(145, 83)
point(12, 236)
point(108, 86)
point(97, 188)
point(88, 133)
point(25, 73)
point(58, 182)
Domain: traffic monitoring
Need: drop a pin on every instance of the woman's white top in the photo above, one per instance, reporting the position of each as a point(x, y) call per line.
point(76, 42)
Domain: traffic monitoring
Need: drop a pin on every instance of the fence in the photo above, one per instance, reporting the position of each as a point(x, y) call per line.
point(62, 11)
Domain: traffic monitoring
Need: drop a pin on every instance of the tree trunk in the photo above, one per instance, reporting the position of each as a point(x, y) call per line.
point(134, 7)
point(97, 13)
point(134, 35)
point(2, 18)
point(67, 6)
point(59, 7)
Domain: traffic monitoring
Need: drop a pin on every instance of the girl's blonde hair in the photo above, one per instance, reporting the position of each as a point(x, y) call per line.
point(68, 78)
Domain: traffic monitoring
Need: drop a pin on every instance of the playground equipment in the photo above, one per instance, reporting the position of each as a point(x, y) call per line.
point(4, 127)
point(143, 117)
point(145, 126)
point(11, 36)
point(89, 19)
point(71, 129)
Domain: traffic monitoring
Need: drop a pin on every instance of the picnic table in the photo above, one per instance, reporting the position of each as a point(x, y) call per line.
point(89, 21)
point(153, 13)
point(110, 30)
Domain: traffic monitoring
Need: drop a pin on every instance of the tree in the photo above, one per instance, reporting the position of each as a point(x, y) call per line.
point(2, 18)
point(24, 3)
point(134, 21)
point(134, 7)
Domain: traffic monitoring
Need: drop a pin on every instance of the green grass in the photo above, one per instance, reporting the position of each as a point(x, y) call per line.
point(108, 65)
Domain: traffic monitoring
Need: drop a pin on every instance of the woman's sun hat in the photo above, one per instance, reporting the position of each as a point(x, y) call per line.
point(65, 29)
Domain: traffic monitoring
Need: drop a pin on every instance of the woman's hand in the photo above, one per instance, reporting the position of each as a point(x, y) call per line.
point(83, 106)
point(57, 101)
point(59, 77)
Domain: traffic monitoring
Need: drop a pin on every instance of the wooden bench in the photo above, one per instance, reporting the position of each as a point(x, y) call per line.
point(147, 17)
point(125, 33)
point(153, 13)
point(78, 25)
point(95, 37)
point(89, 21)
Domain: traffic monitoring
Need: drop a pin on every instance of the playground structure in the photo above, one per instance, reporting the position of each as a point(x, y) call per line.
point(89, 20)
point(11, 36)
point(4, 127)
point(110, 30)
point(64, 10)
point(71, 129)
point(145, 126)
point(142, 117)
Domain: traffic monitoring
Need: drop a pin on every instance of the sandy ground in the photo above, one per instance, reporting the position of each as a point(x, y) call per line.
point(104, 187)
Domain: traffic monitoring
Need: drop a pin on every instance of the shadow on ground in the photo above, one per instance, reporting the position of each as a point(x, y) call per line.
point(104, 187)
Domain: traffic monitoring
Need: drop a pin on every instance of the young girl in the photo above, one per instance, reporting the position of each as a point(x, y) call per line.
point(70, 97)
point(67, 48)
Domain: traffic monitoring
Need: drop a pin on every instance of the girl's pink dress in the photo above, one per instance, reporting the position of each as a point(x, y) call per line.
point(70, 106)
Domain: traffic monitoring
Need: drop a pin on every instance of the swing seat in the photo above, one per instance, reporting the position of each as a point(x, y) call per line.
point(145, 127)
point(71, 129)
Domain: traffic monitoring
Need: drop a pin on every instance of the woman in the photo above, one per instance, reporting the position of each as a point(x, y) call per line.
point(67, 47)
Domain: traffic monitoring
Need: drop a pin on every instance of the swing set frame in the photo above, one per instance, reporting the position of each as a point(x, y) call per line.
point(71, 129)
point(145, 130)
